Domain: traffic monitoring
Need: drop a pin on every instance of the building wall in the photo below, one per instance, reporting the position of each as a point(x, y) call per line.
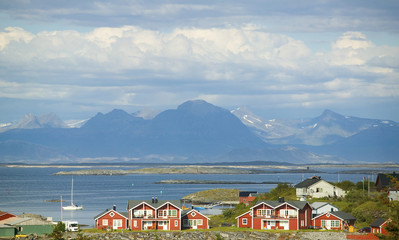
point(324, 209)
point(197, 216)
point(393, 195)
point(170, 219)
point(139, 220)
point(246, 200)
point(380, 229)
point(260, 222)
point(248, 218)
point(305, 217)
point(38, 229)
point(111, 219)
point(327, 217)
point(136, 224)
point(320, 189)
point(7, 232)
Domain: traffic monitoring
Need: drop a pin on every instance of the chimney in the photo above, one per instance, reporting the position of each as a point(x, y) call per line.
point(281, 199)
point(156, 200)
point(153, 200)
point(114, 207)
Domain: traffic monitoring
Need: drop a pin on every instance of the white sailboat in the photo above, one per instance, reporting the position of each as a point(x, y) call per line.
point(72, 206)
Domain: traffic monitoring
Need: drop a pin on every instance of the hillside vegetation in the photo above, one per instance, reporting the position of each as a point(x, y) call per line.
point(213, 195)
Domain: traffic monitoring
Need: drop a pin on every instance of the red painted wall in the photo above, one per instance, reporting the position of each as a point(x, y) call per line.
point(197, 216)
point(111, 219)
point(317, 221)
point(169, 218)
point(249, 221)
point(246, 200)
point(139, 224)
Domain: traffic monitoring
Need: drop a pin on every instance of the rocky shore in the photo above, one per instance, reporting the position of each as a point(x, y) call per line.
point(208, 235)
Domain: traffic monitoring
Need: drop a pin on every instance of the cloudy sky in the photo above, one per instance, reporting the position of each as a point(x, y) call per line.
point(281, 59)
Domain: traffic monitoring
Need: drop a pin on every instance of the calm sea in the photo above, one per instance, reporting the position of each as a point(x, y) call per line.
point(26, 190)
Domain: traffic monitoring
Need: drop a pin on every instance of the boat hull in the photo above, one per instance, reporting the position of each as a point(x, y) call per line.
point(72, 208)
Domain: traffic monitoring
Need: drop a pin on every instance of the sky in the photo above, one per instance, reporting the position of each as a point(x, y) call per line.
point(281, 59)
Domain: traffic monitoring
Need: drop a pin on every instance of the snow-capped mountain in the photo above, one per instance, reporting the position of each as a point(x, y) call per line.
point(272, 131)
point(30, 121)
point(199, 131)
point(327, 128)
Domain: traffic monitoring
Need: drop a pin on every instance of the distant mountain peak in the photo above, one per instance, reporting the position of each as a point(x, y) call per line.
point(198, 107)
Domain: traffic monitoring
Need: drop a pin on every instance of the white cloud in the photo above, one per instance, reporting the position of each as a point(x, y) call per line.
point(130, 65)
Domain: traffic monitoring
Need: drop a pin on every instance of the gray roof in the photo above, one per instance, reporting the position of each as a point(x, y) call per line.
point(296, 204)
point(306, 183)
point(159, 203)
point(378, 222)
point(343, 215)
point(125, 214)
point(317, 205)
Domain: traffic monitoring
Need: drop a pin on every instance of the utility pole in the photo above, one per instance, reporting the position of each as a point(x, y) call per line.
point(363, 184)
point(368, 187)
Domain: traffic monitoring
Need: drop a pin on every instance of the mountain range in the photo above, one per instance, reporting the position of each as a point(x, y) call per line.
point(200, 132)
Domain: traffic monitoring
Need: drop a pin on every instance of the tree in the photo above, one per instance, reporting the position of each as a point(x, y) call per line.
point(58, 231)
point(345, 185)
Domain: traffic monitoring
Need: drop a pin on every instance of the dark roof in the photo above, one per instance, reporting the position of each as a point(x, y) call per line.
point(296, 204)
point(377, 223)
point(133, 203)
point(306, 183)
point(343, 215)
point(385, 179)
point(246, 193)
point(125, 214)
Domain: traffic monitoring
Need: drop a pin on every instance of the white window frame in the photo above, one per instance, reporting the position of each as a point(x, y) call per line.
point(105, 222)
point(176, 223)
point(244, 221)
point(117, 223)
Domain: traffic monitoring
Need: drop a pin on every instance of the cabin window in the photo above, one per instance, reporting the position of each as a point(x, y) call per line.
point(172, 213)
point(105, 222)
point(185, 223)
point(323, 223)
point(335, 223)
point(112, 214)
point(117, 223)
point(289, 212)
point(319, 189)
point(302, 223)
point(199, 222)
point(176, 223)
point(193, 214)
point(244, 221)
point(163, 223)
point(264, 212)
point(135, 223)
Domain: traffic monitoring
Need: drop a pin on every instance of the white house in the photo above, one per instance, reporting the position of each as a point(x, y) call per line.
point(315, 187)
point(322, 207)
point(393, 194)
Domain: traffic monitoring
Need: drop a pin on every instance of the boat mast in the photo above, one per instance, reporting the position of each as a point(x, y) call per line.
point(72, 193)
point(61, 208)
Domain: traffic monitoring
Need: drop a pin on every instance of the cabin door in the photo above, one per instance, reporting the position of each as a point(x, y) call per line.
point(328, 224)
point(284, 224)
point(193, 223)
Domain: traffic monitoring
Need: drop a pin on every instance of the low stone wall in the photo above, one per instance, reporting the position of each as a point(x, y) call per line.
point(212, 235)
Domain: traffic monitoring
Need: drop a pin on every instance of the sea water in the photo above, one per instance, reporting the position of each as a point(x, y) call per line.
point(28, 190)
